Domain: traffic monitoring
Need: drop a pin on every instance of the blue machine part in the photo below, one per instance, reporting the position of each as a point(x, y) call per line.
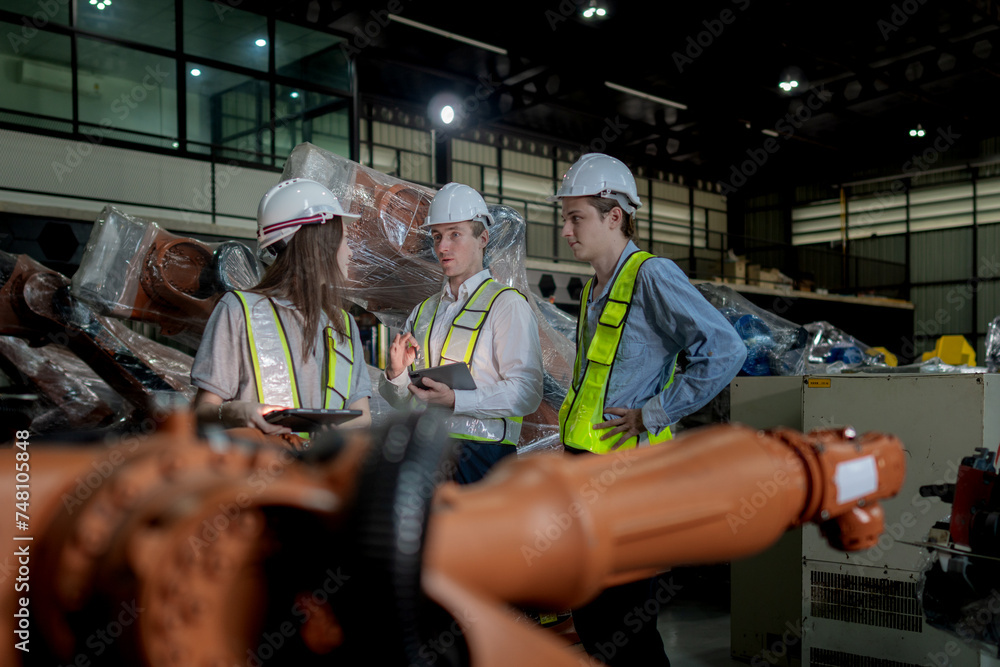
point(759, 341)
point(849, 354)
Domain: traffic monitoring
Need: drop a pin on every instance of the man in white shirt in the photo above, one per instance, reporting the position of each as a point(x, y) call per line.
point(477, 321)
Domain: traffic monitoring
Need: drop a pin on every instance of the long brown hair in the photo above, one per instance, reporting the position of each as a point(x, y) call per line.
point(306, 273)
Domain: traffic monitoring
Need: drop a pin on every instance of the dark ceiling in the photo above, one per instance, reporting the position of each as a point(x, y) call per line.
point(869, 72)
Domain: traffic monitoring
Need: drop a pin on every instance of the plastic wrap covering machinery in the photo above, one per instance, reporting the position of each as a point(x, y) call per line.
point(171, 550)
point(36, 304)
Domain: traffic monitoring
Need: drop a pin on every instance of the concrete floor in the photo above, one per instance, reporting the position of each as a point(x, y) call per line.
point(694, 624)
point(696, 633)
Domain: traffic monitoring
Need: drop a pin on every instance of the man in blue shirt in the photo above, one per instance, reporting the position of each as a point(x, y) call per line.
point(637, 314)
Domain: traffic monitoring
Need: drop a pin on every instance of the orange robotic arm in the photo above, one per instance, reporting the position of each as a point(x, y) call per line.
point(227, 553)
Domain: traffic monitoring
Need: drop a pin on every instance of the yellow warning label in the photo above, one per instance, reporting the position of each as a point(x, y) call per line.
point(822, 383)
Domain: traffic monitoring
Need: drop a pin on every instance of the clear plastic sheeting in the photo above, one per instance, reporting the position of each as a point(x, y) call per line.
point(16, 318)
point(133, 269)
point(394, 267)
point(135, 366)
point(775, 346)
point(830, 351)
point(931, 366)
point(72, 395)
point(993, 346)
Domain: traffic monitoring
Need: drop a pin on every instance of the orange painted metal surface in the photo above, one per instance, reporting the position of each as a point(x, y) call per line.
point(171, 540)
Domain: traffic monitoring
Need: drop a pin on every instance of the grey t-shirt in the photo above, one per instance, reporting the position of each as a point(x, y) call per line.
point(223, 365)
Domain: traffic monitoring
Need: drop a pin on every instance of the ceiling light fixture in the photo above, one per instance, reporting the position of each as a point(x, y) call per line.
point(261, 42)
point(295, 94)
point(447, 114)
point(645, 96)
point(101, 4)
point(594, 8)
point(447, 35)
point(788, 85)
point(195, 72)
point(918, 131)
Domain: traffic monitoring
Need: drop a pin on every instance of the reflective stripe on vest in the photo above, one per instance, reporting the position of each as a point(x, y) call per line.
point(584, 403)
point(339, 367)
point(271, 357)
point(459, 346)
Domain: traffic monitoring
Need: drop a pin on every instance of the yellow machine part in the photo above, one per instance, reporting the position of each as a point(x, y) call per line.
point(953, 350)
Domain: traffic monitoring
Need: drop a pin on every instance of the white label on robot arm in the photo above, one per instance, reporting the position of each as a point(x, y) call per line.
point(855, 479)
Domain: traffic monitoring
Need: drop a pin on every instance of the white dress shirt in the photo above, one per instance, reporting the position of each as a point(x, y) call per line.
point(507, 362)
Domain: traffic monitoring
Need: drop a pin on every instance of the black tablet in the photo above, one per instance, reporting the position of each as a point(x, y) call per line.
point(456, 376)
point(309, 419)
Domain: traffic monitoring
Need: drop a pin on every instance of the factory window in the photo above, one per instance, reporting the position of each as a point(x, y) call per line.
point(302, 115)
point(881, 209)
point(229, 110)
point(399, 151)
point(127, 94)
point(316, 57)
point(36, 77)
point(467, 151)
point(150, 22)
point(220, 32)
point(56, 12)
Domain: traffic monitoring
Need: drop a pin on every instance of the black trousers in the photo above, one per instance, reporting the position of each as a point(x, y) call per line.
point(476, 458)
point(618, 628)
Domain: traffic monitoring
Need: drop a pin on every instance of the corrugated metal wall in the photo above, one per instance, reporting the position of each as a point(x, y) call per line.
point(941, 255)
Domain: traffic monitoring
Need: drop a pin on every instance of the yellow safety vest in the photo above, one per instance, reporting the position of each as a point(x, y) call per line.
point(584, 403)
point(273, 368)
point(459, 346)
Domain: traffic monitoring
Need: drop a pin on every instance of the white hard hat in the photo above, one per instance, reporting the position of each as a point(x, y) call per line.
point(457, 203)
point(600, 175)
point(289, 205)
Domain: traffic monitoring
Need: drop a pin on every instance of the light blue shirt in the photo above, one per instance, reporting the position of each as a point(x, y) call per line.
point(667, 315)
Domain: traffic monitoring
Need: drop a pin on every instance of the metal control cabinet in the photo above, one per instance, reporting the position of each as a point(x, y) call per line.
point(803, 603)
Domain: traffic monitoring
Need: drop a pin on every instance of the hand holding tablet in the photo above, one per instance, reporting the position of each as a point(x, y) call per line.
point(307, 419)
point(456, 376)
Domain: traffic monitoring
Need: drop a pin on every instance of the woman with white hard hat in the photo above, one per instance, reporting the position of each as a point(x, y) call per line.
point(287, 342)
